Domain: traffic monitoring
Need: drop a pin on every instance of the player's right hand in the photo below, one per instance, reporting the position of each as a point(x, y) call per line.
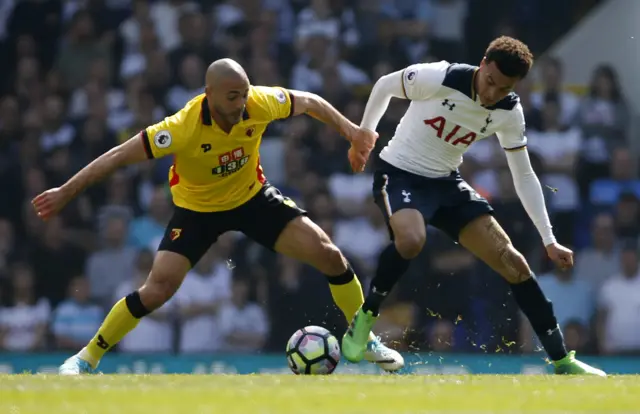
point(49, 203)
point(364, 139)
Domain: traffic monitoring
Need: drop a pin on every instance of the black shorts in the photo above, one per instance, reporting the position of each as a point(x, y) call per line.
point(262, 218)
point(447, 203)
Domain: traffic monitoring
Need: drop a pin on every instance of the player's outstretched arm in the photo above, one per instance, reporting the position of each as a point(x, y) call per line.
point(530, 193)
point(52, 201)
point(318, 108)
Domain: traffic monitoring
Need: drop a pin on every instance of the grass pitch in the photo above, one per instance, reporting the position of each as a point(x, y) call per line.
point(336, 394)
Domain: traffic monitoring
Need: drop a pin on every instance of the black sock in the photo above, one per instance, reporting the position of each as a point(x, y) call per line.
point(391, 266)
point(135, 306)
point(539, 310)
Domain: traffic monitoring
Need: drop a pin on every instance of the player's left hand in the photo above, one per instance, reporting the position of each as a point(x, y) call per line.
point(358, 158)
point(560, 255)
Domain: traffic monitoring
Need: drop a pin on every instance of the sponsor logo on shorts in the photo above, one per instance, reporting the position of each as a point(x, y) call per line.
point(175, 234)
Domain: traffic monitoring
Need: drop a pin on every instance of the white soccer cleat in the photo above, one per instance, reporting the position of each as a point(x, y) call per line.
point(385, 357)
point(75, 366)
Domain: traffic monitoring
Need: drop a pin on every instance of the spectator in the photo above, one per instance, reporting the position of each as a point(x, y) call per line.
point(619, 301)
point(243, 324)
point(627, 216)
point(58, 260)
point(80, 49)
point(201, 297)
point(76, 319)
point(147, 231)
point(191, 74)
point(603, 119)
point(23, 324)
point(113, 263)
point(551, 72)
point(598, 262)
point(622, 179)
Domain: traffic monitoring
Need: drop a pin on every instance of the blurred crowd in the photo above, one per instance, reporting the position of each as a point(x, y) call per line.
point(80, 76)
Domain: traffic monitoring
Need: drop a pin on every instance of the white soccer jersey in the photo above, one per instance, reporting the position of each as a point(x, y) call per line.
point(444, 119)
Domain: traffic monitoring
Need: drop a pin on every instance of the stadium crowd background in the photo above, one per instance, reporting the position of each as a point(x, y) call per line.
point(79, 77)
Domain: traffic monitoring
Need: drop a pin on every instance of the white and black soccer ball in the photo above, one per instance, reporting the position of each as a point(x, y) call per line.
point(313, 350)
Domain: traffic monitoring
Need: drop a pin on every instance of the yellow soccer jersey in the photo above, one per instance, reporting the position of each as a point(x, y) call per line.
point(213, 170)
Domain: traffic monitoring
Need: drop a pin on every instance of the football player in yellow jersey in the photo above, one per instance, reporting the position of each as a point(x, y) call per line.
point(218, 185)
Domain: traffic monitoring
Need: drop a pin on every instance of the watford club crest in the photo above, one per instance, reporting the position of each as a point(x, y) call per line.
point(175, 234)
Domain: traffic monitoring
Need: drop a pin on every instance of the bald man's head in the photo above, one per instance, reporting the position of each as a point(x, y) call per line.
point(227, 90)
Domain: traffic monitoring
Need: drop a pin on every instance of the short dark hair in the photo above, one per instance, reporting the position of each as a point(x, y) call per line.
point(512, 57)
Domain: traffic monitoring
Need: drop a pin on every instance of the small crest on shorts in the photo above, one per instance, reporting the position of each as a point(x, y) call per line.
point(175, 234)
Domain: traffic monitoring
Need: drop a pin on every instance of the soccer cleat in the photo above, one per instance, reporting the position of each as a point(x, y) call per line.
point(569, 365)
point(385, 357)
point(75, 366)
point(354, 341)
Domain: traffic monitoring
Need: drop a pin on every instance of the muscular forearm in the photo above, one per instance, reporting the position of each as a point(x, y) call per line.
point(127, 153)
point(318, 108)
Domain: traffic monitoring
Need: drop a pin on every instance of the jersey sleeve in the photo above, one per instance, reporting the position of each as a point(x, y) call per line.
point(421, 81)
point(276, 102)
point(512, 135)
point(168, 136)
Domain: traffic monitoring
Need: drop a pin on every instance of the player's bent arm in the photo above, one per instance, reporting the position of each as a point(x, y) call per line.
point(417, 82)
point(530, 192)
point(318, 108)
point(130, 152)
point(387, 87)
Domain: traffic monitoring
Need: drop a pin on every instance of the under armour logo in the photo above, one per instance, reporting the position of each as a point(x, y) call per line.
point(407, 196)
point(486, 124)
point(377, 292)
point(450, 105)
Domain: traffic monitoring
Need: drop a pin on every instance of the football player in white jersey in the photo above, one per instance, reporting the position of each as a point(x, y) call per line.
point(417, 182)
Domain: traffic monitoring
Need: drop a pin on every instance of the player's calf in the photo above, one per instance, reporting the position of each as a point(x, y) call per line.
point(409, 237)
point(169, 270)
point(486, 239)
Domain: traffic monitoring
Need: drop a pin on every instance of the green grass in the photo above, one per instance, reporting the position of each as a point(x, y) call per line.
point(252, 394)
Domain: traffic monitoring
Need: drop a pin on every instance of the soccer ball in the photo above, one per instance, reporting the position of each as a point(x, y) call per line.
point(313, 350)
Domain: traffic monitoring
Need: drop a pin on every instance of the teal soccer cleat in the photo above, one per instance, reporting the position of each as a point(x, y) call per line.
point(75, 366)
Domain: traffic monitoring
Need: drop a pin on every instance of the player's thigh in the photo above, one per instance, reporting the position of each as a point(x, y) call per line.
point(487, 240)
point(277, 223)
point(304, 240)
point(406, 207)
point(187, 238)
point(461, 205)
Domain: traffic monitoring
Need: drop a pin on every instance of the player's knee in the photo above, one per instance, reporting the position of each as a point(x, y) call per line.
point(410, 242)
point(514, 267)
point(331, 260)
point(157, 291)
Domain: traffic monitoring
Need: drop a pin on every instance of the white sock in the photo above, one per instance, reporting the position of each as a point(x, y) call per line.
point(86, 356)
